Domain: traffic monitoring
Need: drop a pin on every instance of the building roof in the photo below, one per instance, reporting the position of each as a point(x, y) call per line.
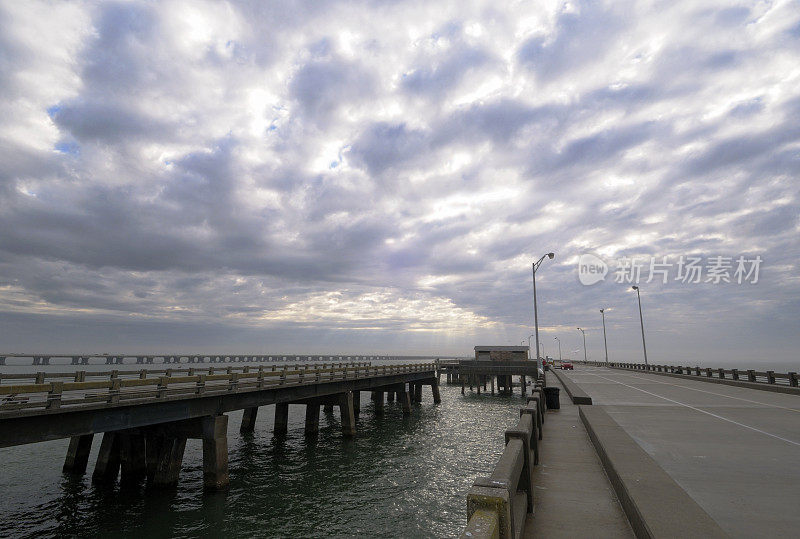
point(501, 348)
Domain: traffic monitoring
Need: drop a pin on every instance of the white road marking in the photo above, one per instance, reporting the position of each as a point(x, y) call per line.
point(703, 411)
point(711, 392)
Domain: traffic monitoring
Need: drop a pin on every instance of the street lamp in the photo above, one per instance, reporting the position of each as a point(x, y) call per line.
point(559, 347)
point(605, 342)
point(584, 344)
point(641, 320)
point(529, 345)
point(534, 267)
point(543, 352)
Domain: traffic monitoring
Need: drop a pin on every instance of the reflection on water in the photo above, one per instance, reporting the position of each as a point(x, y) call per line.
point(401, 476)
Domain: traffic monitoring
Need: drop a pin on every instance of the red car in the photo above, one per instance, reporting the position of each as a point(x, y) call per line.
point(567, 365)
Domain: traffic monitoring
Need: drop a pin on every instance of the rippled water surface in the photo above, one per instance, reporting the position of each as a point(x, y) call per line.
point(400, 477)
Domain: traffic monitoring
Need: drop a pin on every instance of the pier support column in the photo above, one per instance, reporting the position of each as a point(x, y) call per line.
point(356, 404)
point(215, 452)
point(281, 418)
point(437, 398)
point(106, 469)
point(522, 381)
point(462, 386)
point(390, 396)
point(348, 417)
point(169, 461)
point(312, 418)
point(328, 408)
point(405, 400)
point(78, 454)
point(249, 420)
point(377, 398)
point(132, 457)
point(152, 452)
point(492, 384)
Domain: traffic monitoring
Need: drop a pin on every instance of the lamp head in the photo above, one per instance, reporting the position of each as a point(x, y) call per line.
point(601, 310)
point(551, 255)
point(634, 287)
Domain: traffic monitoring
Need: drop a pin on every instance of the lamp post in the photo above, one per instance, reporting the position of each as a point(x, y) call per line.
point(641, 320)
point(529, 345)
point(559, 347)
point(605, 342)
point(584, 344)
point(543, 352)
point(534, 267)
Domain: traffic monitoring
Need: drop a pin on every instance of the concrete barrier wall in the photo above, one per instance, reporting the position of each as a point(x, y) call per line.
point(497, 506)
point(574, 391)
point(655, 504)
point(749, 378)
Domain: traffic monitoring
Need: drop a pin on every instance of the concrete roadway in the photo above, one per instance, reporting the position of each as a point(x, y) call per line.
point(735, 451)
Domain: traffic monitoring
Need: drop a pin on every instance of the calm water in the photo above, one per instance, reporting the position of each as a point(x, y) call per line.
point(400, 477)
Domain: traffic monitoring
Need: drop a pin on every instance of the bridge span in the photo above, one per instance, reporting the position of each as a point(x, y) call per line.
point(146, 419)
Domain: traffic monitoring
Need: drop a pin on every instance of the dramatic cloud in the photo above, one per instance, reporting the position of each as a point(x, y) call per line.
point(379, 176)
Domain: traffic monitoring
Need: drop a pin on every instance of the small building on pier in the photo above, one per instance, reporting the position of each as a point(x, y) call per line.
point(501, 353)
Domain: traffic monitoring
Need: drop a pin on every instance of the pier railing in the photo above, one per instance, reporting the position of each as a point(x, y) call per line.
point(140, 386)
point(790, 379)
point(498, 505)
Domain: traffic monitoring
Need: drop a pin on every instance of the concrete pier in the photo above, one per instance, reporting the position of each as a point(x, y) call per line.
point(106, 468)
point(281, 418)
point(312, 418)
point(169, 459)
point(132, 457)
point(249, 420)
point(346, 409)
point(215, 452)
point(78, 454)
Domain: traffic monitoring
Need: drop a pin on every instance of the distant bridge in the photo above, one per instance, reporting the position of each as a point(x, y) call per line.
point(145, 359)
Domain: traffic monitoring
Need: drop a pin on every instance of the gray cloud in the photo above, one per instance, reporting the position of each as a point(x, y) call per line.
point(281, 171)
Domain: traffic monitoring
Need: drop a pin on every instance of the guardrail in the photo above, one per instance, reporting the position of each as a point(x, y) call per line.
point(790, 379)
point(123, 386)
point(498, 505)
point(83, 376)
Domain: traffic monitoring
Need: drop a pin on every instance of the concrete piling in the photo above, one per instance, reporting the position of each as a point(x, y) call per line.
point(78, 454)
point(356, 404)
point(215, 452)
point(169, 461)
point(347, 412)
point(132, 457)
point(249, 420)
point(437, 397)
point(106, 468)
point(312, 417)
point(281, 418)
point(377, 397)
point(405, 401)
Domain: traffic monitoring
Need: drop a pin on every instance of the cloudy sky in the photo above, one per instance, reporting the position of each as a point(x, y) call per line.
point(343, 177)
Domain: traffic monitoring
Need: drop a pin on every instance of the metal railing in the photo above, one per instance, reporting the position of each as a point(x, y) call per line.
point(744, 375)
point(134, 387)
